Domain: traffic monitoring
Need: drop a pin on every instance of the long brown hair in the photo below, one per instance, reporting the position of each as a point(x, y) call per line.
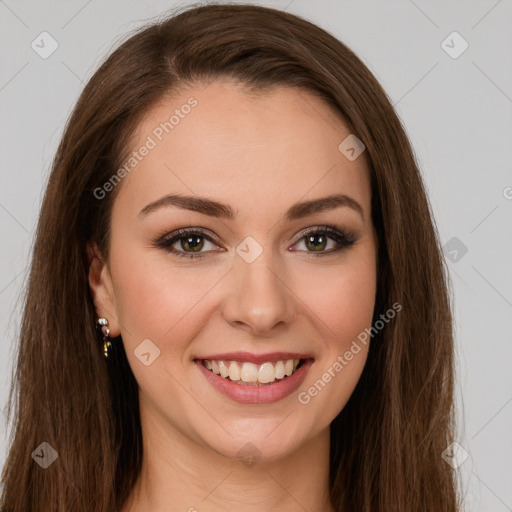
point(387, 442)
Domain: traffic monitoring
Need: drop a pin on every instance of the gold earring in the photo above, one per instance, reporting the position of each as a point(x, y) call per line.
point(100, 324)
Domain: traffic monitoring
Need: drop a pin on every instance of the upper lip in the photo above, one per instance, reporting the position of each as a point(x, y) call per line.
point(255, 358)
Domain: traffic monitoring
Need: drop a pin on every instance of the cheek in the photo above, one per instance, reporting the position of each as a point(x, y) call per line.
point(342, 308)
point(341, 297)
point(159, 300)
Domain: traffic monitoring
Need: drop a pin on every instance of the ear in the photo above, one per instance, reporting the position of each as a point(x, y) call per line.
point(102, 291)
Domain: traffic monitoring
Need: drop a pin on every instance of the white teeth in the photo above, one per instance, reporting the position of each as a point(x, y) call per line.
point(288, 367)
point(234, 371)
point(280, 370)
point(223, 369)
point(251, 373)
point(266, 373)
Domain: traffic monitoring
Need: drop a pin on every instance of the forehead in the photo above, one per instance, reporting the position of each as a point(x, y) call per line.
point(255, 151)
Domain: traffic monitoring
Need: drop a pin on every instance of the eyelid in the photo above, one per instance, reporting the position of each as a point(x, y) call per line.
point(344, 237)
point(187, 231)
point(167, 240)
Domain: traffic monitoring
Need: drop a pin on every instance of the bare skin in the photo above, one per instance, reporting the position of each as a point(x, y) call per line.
point(260, 155)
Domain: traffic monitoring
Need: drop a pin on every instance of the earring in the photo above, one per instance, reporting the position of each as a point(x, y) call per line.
point(100, 324)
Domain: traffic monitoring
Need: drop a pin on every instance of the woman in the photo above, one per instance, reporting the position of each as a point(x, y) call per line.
point(303, 358)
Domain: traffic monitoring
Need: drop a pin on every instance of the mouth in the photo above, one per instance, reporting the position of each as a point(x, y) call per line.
point(246, 373)
point(250, 379)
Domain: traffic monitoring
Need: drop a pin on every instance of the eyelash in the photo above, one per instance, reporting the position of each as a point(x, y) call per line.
point(343, 239)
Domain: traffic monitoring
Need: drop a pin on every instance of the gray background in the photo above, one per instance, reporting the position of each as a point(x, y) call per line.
point(457, 112)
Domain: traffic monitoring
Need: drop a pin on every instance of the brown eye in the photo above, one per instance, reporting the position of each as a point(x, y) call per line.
point(194, 242)
point(191, 243)
point(317, 240)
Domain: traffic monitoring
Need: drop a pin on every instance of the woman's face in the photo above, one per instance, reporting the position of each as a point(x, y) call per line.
point(263, 290)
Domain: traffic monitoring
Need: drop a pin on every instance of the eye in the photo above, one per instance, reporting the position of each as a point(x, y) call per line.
point(191, 242)
point(188, 239)
point(316, 240)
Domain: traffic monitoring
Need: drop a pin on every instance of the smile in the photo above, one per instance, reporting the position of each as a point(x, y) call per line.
point(261, 380)
point(250, 374)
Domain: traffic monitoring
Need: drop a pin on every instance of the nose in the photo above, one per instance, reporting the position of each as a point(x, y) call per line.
point(260, 297)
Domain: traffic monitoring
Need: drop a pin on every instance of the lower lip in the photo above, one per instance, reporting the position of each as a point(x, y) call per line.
point(257, 394)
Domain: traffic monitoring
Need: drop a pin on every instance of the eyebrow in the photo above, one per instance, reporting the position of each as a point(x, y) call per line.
point(224, 211)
